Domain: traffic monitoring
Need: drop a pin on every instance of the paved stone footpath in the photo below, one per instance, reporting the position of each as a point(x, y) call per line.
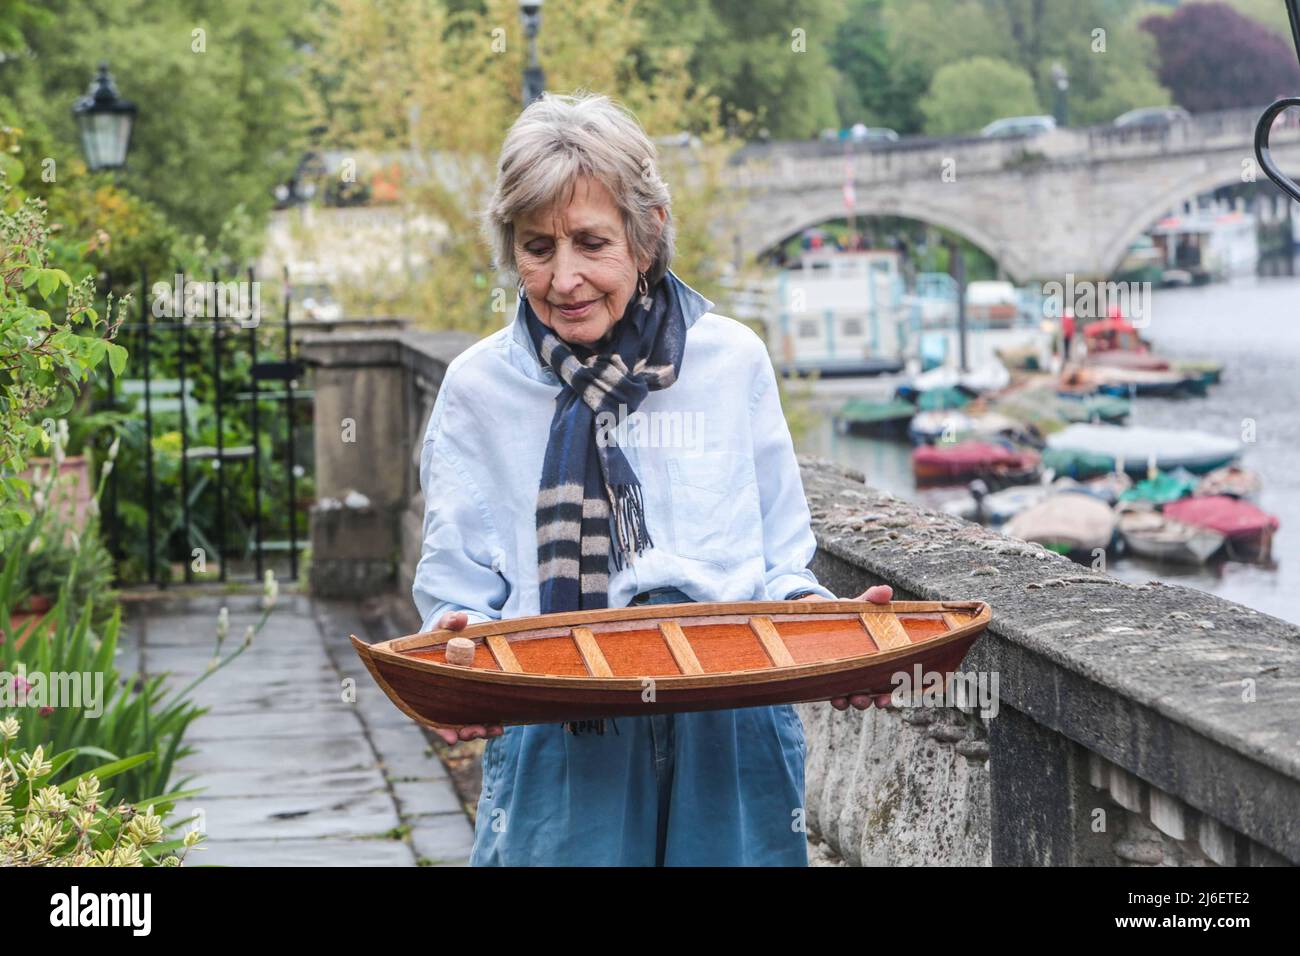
point(294, 773)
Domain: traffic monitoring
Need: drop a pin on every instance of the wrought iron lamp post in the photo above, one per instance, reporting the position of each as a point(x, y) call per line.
point(530, 12)
point(104, 122)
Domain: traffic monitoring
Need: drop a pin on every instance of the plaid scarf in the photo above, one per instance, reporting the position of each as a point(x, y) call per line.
point(586, 479)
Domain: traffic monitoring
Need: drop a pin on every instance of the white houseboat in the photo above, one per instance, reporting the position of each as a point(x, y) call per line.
point(837, 313)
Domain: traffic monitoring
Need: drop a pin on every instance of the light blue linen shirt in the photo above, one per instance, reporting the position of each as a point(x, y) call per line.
point(724, 501)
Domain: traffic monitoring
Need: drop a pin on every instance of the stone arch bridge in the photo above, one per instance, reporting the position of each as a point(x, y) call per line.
point(1069, 201)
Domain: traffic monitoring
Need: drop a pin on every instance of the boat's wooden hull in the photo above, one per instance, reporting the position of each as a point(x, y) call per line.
point(712, 657)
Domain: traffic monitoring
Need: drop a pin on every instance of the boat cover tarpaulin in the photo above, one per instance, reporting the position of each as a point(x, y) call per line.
point(1171, 448)
point(1228, 516)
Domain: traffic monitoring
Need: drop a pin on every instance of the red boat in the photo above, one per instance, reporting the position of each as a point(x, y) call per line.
point(1249, 531)
point(939, 464)
point(1113, 341)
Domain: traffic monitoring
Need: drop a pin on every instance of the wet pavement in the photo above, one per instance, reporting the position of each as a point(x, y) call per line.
point(303, 759)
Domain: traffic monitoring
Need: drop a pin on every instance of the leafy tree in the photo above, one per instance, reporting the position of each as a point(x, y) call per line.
point(217, 83)
point(414, 78)
point(1212, 57)
point(51, 340)
point(1270, 13)
point(766, 60)
point(888, 52)
point(967, 95)
point(877, 86)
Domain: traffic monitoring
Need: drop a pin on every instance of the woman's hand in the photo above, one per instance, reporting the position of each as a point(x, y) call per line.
point(456, 621)
point(880, 594)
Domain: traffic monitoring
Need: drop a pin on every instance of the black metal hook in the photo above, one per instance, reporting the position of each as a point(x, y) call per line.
point(1265, 125)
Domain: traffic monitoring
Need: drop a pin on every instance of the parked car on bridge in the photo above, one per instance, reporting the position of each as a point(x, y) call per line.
point(860, 133)
point(1019, 126)
point(872, 134)
point(1153, 116)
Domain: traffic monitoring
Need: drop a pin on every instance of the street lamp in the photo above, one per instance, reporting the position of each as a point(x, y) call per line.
point(104, 121)
point(1061, 77)
point(530, 12)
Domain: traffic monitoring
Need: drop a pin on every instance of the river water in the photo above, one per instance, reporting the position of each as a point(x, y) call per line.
point(1250, 324)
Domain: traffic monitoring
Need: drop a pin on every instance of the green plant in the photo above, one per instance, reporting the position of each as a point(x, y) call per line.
point(60, 554)
point(131, 714)
point(44, 356)
point(74, 823)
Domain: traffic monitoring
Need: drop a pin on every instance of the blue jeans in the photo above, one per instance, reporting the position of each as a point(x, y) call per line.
point(713, 788)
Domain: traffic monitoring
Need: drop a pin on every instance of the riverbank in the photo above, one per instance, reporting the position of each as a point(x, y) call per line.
point(1246, 325)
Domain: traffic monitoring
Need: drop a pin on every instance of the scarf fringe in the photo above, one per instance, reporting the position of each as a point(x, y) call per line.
point(629, 522)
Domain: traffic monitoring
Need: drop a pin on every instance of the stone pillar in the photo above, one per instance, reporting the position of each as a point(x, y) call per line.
point(1043, 810)
point(361, 468)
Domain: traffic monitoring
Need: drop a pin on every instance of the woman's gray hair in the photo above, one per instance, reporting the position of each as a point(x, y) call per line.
point(558, 139)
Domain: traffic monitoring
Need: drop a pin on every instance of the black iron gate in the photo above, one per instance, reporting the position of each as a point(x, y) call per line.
point(214, 463)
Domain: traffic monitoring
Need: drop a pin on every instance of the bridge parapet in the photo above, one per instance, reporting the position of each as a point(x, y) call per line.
point(814, 162)
point(1135, 724)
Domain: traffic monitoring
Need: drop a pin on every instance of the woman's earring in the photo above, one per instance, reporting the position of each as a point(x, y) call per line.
point(642, 286)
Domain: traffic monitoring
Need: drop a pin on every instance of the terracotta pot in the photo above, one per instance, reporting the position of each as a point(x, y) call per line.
point(23, 626)
point(36, 604)
point(69, 503)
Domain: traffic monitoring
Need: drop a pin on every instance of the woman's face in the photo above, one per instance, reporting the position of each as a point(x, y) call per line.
point(578, 270)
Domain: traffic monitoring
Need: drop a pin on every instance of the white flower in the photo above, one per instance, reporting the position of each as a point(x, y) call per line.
point(270, 590)
point(34, 764)
point(108, 468)
point(112, 449)
point(223, 623)
point(248, 635)
point(38, 499)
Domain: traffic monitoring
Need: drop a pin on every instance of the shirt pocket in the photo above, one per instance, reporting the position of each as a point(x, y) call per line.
point(715, 509)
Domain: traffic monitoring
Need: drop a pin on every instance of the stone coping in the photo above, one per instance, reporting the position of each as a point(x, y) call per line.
point(1151, 677)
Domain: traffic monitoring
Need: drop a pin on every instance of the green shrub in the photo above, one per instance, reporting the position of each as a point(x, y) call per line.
point(75, 823)
point(139, 715)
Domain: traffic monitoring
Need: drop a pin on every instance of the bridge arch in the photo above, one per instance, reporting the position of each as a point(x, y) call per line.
point(817, 209)
point(1116, 248)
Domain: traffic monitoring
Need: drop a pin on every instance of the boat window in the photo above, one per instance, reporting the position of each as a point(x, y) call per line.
point(851, 327)
point(808, 329)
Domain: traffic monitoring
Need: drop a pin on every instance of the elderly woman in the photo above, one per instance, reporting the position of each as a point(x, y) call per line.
point(535, 504)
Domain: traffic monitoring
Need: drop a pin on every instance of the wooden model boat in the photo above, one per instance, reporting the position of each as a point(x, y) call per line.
point(667, 658)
